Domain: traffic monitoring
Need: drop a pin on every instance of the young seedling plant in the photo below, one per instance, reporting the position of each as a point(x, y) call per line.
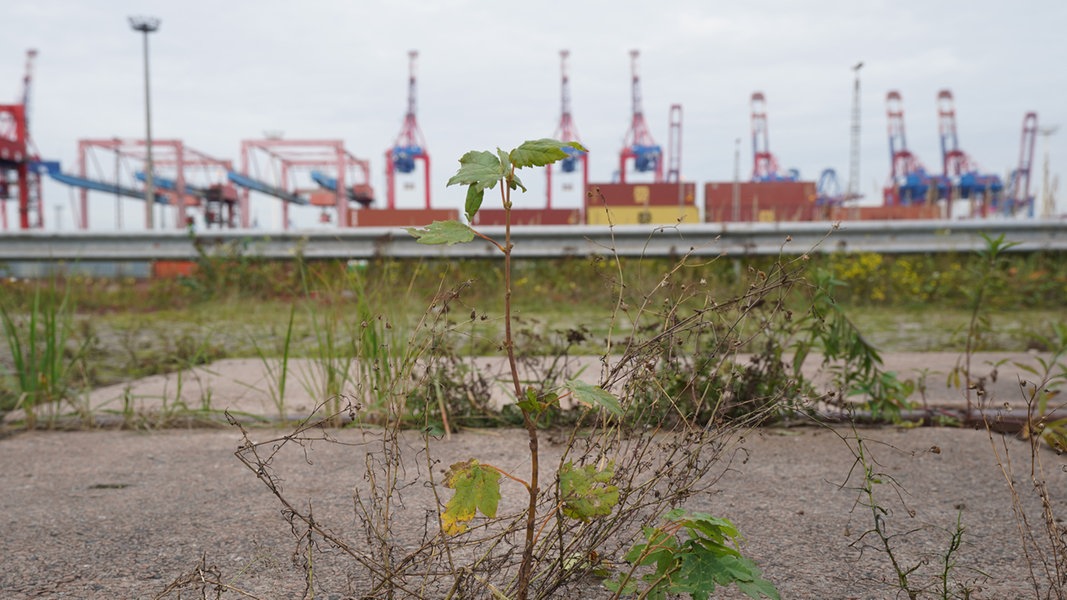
point(476, 484)
point(585, 492)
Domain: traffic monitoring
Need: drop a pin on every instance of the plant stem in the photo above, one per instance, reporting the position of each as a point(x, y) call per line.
point(531, 427)
point(972, 334)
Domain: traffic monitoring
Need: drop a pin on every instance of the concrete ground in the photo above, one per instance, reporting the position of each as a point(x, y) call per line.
point(245, 385)
point(124, 513)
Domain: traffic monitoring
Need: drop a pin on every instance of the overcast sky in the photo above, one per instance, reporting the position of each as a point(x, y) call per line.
point(488, 76)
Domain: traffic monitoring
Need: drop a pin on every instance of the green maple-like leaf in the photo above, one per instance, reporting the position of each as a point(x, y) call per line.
point(710, 557)
point(538, 153)
point(585, 493)
point(481, 168)
point(514, 182)
point(709, 527)
point(477, 489)
point(480, 171)
point(616, 585)
point(593, 395)
point(535, 404)
point(475, 193)
point(503, 157)
point(443, 232)
point(703, 567)
point(529, 402)
point(659, 543)
point(706, 559)
point(758, 589)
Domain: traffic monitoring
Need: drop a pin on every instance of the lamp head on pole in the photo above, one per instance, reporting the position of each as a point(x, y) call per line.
point(145, 25)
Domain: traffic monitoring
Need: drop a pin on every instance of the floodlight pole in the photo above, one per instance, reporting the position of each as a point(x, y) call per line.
point(147, 25)
point(853, 192)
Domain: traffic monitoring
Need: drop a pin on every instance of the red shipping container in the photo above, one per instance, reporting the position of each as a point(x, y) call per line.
point(886, 213)
point(529, 216)
point(323, 198)
point(166, 269)
point(364, 193)
point(768, 201)
point(640, 194)
point(400, 217)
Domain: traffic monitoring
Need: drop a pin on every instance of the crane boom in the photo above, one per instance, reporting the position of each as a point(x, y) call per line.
point(27, 80)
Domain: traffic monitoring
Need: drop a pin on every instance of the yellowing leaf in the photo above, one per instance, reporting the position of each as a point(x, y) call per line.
point(451, 527)
point(585, 493)
point(477, 489)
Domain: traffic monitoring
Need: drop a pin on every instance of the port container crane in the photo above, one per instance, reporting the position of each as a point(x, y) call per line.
point(639, 146)
point(17, 158)
point(334, 178)
point(218, 199)
point(959, 169)
point(828, 189)
point(909, 182)
point(764, 163)
point(1018, 198)
point(409, 146)
point(183, 178)
point(566, 132)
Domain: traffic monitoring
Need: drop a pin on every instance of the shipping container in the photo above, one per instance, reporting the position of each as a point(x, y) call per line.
point(635, 215)
point(759, 214)
point(400, 217)
point(885, 213)
point(363, 191)
point(760, 201)
point(640, 194)
point(168, 269)
point(529, 216)
point(322, 198)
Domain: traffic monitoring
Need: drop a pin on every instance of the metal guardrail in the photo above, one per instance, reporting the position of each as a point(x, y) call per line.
point(710, 239)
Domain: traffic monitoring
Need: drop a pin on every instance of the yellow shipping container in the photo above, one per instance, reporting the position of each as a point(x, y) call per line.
point(640, 215)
